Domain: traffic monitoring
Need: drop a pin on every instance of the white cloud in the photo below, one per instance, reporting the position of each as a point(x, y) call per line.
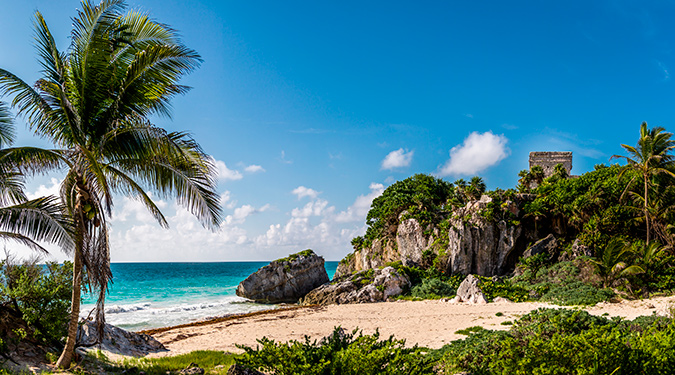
point(254, 168)
point(664, 69)
point(225, 173)
point(226, 200)
point(283, 158)
point(44, 191)
point(241, 213)
point(469, 115)
point(477, 153)
point(359, 209)
point(397, 159)
point(302, 192)
point(135, 210)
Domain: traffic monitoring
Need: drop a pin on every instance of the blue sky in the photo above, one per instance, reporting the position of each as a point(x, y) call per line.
point(312, 108)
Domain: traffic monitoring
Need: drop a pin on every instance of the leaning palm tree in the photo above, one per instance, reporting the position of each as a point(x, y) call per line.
point(650, 158)
point(25, 221)
point(94, 102)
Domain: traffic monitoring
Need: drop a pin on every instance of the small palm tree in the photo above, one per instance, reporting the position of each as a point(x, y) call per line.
point(614, 262)
point(95, 102)
point(649, 158)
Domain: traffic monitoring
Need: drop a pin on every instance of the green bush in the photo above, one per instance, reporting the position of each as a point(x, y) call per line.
point(548, 341)
point(576, 293)
point(433, 288)
point(339, 353)
point(39, 294)
point(503, 288)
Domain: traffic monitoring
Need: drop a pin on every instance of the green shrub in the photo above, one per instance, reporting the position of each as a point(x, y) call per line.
point(548, 341)
point(433, 288)
point(39, 294)
point(504, 288)
point(576, 293)
point(339, 353)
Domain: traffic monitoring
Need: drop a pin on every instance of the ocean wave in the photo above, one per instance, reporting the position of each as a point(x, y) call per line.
point(116, 309)
point(152, 315)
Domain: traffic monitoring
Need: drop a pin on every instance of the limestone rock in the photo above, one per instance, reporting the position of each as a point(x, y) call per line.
point(469, 291)
point(285, 280)
point(411, 242)
point(374, 285)
point(116, 340)
point(192, 369)
point(477, 245)
point(546, 245)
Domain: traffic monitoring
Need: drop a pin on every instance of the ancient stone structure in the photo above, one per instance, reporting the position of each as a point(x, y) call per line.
point(548, 160)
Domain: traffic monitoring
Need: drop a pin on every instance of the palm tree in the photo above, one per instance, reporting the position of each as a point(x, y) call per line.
point(95, 102)
point(649, 158)
point(613, 262)
point(22, 220)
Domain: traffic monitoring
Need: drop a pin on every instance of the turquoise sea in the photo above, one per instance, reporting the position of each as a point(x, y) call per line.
point(151, 295)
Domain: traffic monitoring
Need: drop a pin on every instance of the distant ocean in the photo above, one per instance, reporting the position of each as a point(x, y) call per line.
point(152, 295)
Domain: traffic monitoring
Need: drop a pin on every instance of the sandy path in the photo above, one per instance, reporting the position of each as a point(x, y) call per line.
point(426, 323)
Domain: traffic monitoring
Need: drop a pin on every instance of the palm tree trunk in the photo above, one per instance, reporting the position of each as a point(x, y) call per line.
point(646, 211)
point(67, 355)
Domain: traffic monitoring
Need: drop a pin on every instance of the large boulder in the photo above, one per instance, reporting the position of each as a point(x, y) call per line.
point(285, 280)
point(547, 245)
point(374, 285)
point(116, 340)
point(469, 291)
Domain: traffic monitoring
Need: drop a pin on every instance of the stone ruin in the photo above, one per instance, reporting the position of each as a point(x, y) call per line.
point(547, 160)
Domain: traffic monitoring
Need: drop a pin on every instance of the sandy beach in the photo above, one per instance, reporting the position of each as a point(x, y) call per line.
point(426, 323)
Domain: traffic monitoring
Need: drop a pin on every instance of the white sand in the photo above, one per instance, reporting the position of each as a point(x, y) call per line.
point(426, 323)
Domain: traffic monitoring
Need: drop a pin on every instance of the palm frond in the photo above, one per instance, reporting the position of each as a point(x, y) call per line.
point(7, 133)
point(40, 219)
point(127, 186)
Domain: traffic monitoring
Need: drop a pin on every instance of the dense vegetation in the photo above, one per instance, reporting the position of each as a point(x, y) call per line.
point(567, 342)
point(37, 295)
point(339, 353)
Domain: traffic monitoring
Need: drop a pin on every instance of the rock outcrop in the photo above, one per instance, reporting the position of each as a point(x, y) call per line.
point(473, 244)
point(373, 285)
point(285, 280)
point(469, 291)
point(116, 340)
point(547, 245)
point(478, 245)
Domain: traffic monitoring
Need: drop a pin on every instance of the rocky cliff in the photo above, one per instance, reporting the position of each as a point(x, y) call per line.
point(470, 240)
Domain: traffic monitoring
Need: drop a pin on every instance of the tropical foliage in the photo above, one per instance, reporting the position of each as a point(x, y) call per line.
point(39, 295)
point(652, 162)
point(339, 353)
point(94, 102)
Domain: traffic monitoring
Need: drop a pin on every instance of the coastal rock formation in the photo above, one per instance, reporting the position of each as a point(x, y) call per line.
point(374, 285)
point(285, 280)
point(116, 340)
point(473, 244)
point(478, 245)
point(469, 291)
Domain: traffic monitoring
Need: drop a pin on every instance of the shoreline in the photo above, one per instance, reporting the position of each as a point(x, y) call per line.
point(220, 319)
point(428, 323)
